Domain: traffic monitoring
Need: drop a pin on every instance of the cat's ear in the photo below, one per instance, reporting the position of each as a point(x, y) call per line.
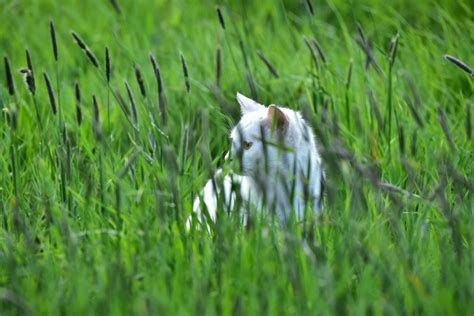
point(246, 104)
point(277, 119)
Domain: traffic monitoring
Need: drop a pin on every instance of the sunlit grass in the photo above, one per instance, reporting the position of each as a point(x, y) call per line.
point(94, 197)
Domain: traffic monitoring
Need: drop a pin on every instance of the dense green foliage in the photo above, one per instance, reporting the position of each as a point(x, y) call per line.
point(92, 214)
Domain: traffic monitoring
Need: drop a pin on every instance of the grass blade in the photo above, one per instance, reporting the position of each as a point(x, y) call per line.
point(311, 50)
point(133, 106)
point(414, 112)
point(444, 125)
point(468, 121)
point(218, 67)
point(319, 49)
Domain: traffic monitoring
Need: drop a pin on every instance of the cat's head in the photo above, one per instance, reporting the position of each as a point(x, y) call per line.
point(260, 136)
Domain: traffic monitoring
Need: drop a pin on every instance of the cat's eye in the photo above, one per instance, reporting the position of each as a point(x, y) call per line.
point(247, 145)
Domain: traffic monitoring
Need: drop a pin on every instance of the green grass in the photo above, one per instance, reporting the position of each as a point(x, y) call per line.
point(92, 215)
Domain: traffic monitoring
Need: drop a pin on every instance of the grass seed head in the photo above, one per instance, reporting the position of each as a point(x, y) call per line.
point(29, 75)
point(394, 49)
point(96, 124)
point(49, 88)
point(185, 72)
point(311, 50)
point(220, 17)
point(319, 49)
point(401, 140)
point(107, 64)
point(413, 145)
point(310, 7)
point(132, 104)
point(218, 66)
point(267, 63)
point(349, 75)
point(116, 6)
point(462, 65)
point(86, 49)
point(140, 81)
point(79, 41)
point(28, 79)
point(161, 94)
point(8, 76)
point(77, 94)
point(54, 44)
point(157, 73)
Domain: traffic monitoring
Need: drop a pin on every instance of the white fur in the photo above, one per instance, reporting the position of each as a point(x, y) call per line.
point(292, 159)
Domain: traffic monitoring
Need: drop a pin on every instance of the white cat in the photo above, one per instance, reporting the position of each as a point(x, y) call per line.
point(280, 165)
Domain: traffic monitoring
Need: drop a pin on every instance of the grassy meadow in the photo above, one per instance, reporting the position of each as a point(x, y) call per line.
point(115, 113)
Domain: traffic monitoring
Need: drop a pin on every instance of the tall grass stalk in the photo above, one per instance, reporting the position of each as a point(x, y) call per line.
point(13, 120)
point(315, 74)
point(160, 91)
point(54, 46)
point(468, 121)
point(185, 72)
point(226, 35)
point(249, 76)
point(101, 75)
point(218, 67)
point(97, 128)
point(140, 80)
point(77, 97)
point(390, 109)
point(348, 85)
point(82, 45)
point(444, 125)
point(49, 89)
point(133, 105)
point(107, 78)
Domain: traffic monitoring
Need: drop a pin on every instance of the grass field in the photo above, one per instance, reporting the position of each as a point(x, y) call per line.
point(94, 192)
